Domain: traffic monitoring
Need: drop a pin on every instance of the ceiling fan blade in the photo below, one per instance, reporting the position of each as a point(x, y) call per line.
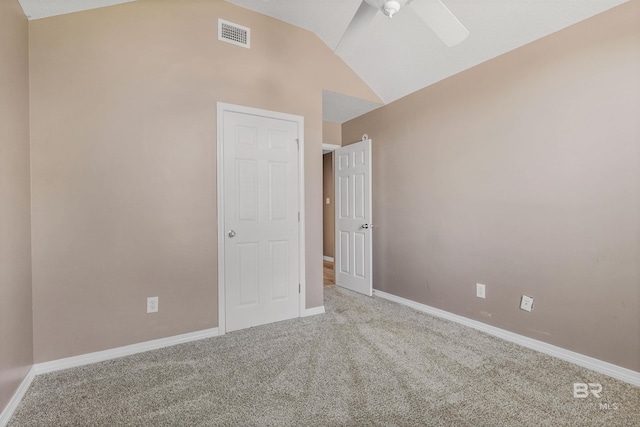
point(441, 20)
point(357, 29)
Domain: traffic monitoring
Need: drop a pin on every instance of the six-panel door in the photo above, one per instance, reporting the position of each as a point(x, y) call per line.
point(261, 220)
point(353, 217)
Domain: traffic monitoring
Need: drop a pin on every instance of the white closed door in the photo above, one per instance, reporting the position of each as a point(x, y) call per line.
point(261, 220)
point(353, 217)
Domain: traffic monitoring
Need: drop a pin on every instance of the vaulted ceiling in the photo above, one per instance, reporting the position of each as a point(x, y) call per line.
point(400, 55)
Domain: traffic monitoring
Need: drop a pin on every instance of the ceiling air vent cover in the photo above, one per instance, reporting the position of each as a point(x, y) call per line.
point(233, 33)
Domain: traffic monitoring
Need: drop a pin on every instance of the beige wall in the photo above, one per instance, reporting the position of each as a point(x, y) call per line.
point(16, 348)
point(523, 174)
point(332, 133)
point(328, 211)
point(124, 161)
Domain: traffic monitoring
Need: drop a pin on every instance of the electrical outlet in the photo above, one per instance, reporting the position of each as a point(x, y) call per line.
point(480, 290)
point(152, 305)
point(328, 201)
point(526, 303)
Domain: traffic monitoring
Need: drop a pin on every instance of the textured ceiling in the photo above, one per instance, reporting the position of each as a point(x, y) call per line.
point(339, 108)
point(400, 55)
point(36, 9)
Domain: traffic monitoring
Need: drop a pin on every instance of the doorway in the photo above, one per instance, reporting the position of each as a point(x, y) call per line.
point(328, 214)
point(347, 216)
point(354, 239)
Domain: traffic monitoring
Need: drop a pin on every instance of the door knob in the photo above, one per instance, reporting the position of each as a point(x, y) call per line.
point(365, 226)
point(232, 234)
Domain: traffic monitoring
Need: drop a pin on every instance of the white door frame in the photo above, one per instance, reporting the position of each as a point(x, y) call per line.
point(222, 107)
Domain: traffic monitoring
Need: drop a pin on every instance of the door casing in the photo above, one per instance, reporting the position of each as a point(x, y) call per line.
point(222, 107)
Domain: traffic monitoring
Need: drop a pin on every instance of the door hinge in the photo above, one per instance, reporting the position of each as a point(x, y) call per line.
point(299, 288)
point(298, 143)
point(298, 216)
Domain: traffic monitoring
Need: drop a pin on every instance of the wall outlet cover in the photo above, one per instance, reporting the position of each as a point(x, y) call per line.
point(526, 303)
point(480, 290)
point(152, 305)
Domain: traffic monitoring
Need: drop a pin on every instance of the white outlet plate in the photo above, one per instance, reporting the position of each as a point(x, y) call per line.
point(480, 290)
point(152, 305)
point(526, 303)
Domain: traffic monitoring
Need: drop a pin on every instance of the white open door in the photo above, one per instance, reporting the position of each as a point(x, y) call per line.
point(353, 217)
point(261, 220)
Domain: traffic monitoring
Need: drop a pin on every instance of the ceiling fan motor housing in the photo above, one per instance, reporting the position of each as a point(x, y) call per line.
point(390, 8)
point(433, 12)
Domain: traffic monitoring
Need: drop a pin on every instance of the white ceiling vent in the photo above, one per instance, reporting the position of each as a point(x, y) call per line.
point(234, 33)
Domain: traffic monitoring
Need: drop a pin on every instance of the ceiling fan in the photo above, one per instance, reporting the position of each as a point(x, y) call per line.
point(435, 14)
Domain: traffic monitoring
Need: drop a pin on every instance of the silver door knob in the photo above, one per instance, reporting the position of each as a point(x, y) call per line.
point(365, 226)
point(232, 234)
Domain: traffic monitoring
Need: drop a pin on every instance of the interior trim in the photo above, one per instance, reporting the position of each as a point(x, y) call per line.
point(128, 350)
point(327, 148)
point(313, 311)
point(11, 407)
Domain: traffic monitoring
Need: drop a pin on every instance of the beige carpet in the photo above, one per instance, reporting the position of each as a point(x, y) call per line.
point(367, 361)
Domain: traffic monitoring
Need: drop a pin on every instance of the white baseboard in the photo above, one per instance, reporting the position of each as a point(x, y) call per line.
point(100, 356)
point(313, 311)
point(606, 368)
point(11, 407)
point(327, 258)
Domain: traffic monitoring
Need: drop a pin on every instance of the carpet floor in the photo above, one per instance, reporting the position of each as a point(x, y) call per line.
point(367, 361)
